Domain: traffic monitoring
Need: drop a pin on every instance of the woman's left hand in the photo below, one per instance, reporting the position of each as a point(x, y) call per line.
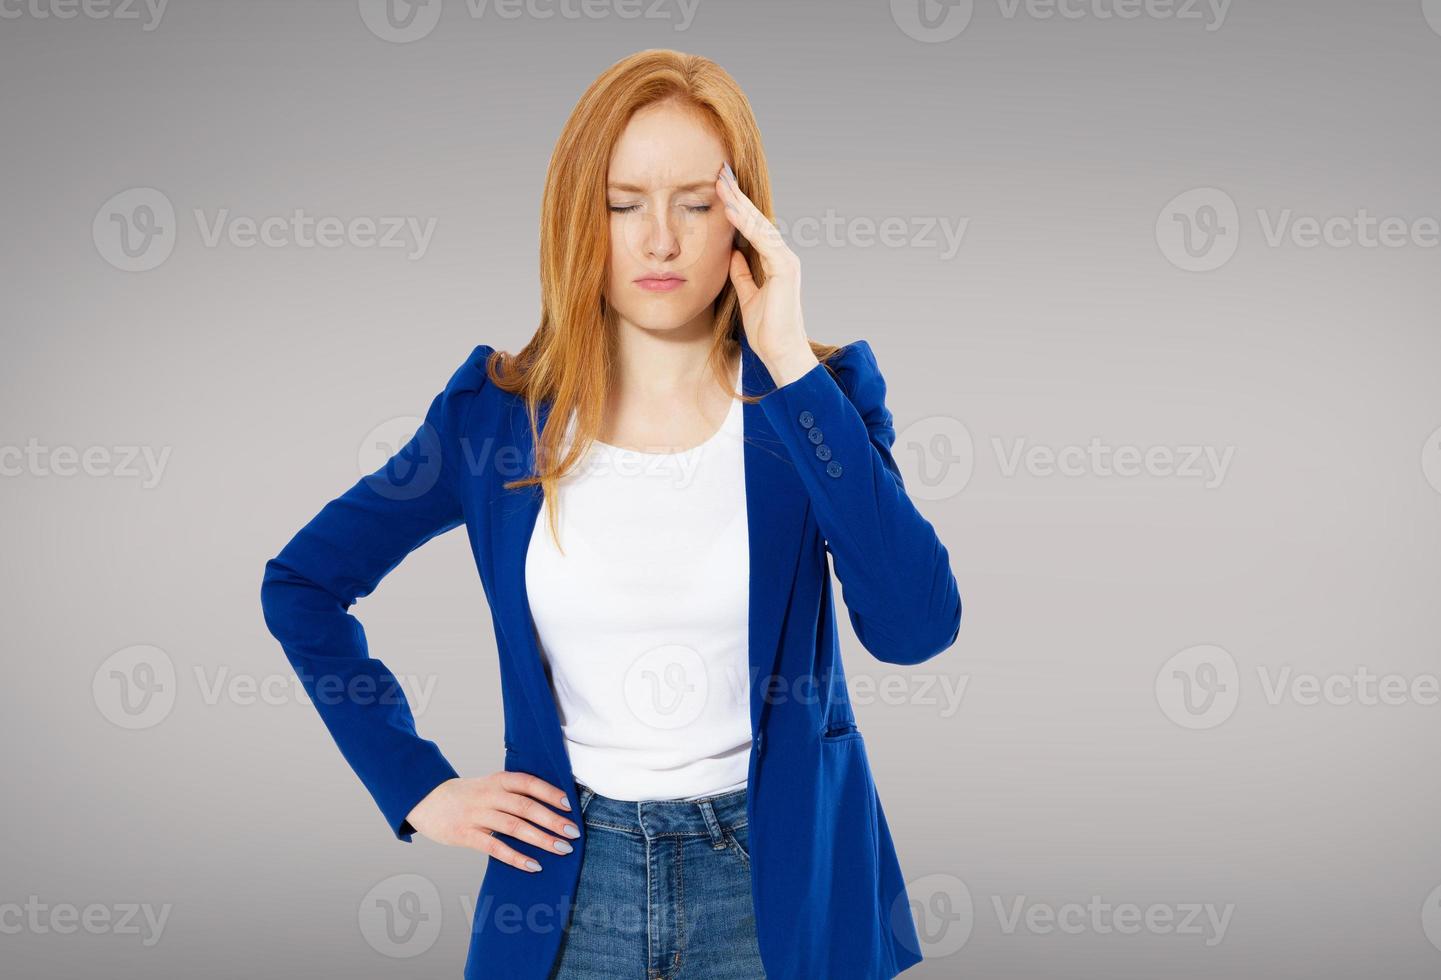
point(771, 313)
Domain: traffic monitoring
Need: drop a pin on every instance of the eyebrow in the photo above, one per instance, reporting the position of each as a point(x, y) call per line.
point(697, 185)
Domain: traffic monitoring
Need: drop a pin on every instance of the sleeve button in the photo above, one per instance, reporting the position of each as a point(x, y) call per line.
point(833, 468)
point(815, 435)
point(823, 451)
point(807, 420)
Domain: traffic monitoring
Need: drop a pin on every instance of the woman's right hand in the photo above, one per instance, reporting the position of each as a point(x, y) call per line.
point(467, 812)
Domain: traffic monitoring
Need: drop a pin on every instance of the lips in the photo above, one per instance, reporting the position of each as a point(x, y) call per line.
point(661, 282)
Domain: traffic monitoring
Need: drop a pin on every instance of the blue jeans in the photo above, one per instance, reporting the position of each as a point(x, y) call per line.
point(664, 892)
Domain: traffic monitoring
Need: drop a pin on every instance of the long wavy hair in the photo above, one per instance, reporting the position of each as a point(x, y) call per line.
point(569, 360)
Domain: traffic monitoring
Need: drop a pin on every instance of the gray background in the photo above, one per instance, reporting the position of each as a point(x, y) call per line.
point(1063, 776)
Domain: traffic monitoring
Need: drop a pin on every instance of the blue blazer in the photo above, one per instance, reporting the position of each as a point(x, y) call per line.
point(829, 897)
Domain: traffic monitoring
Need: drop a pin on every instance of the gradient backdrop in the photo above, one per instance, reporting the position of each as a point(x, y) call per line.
point(1155, 289)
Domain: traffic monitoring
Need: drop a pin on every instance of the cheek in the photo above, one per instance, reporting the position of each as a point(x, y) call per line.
point(719, 240)
point(620, 252)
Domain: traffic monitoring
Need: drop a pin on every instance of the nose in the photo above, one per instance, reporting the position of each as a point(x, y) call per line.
point(662, 243)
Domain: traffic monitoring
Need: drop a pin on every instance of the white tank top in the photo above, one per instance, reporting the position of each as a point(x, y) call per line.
point(643, 622)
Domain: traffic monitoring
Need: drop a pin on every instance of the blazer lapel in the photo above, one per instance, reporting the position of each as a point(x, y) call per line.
point(775, 508)
point(776, 504)
point(513, 518)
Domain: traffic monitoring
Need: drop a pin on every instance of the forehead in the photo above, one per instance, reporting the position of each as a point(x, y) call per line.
point(665, 146)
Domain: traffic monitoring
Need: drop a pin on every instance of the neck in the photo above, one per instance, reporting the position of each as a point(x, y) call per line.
point(663, 363)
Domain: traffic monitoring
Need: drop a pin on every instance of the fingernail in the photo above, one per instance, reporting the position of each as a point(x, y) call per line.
point(565, 803)
point(563, 847)
point(570, 831)
point(532, 865)
point(730, 174)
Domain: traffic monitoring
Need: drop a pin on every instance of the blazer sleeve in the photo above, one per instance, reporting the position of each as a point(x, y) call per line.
point(340, 556)
point(895, 574)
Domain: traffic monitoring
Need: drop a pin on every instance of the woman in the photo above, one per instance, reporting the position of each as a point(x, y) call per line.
point(685, 791)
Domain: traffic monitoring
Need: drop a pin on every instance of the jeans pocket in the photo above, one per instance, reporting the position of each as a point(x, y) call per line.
point(737, 839)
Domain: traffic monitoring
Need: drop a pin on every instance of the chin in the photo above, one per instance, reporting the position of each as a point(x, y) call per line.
point(662, 313)
point(657, 323)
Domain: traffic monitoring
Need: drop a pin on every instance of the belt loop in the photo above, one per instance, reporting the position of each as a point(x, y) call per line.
point(707, 811)
point(586, 795)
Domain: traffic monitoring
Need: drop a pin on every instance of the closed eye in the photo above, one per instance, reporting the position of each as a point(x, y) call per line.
point(627, 208)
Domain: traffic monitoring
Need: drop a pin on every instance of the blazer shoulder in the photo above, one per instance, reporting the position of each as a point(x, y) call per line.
point(859, 375)
point(471, 376)
point(464, 389)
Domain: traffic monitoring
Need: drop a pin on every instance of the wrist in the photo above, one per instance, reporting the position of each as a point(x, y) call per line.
point(791, 366)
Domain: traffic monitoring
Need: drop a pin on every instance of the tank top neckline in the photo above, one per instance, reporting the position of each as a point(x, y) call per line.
point(727, 424)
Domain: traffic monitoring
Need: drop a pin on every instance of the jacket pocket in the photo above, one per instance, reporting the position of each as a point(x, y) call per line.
point(840, 732)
